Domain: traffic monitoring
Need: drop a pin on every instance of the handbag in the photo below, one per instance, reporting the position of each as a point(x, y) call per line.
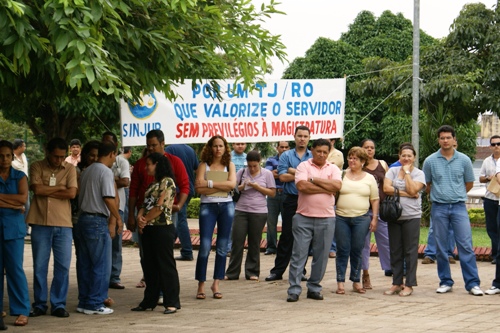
point(494, 187)
point(390, 208)
point(235, 192)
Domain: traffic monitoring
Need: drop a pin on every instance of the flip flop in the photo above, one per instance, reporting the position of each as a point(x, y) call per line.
point(217, 295)
point(340, 292)
point(21, 321)
point(359, 290)
point(201, 296)
point(141, 284)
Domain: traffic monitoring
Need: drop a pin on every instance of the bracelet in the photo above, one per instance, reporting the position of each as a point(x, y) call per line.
point(210, 184)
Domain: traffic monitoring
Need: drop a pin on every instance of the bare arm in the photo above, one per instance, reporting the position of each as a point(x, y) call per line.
point(122, 182)
point(469, 186)
point(201, 185)
point(18, 200)
point(375, 206)
point(289, 176)
point(116, 220)
point(332, 186)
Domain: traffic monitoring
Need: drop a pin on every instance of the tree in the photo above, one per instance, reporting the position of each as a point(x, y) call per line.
point(64, 62)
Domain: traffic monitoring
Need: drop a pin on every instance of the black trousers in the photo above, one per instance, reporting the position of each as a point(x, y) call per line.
point(285, 244)
point(158, 265)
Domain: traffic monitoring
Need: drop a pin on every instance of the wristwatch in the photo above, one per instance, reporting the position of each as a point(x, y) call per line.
point(311, 180)
point(407, 172)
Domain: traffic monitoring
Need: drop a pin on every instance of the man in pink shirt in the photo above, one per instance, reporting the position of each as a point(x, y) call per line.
point(317, 181)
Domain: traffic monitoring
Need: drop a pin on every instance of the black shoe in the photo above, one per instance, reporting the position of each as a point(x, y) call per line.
point(494, 262)
point(2, 325)
point(314, 295)
point(60, 312)
point(273, 277)
point(116, 285)
point(181, 258)
point(169, 311)
point(303, 278)
point(388, 272)
point(140, 308)
point(36, 312)
point(292, 298)
point(269, 252)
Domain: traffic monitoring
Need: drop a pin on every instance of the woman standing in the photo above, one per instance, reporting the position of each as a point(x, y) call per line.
point(359, 191)
point(13, 196)
point(255, 183)
point(157, 232)
point(377, 168)
point(404, 235)
point(216, 207)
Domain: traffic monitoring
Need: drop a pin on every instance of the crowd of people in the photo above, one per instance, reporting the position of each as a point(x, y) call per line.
point(84, 198)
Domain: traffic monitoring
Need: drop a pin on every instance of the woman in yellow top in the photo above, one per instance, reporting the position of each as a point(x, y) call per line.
point(359, 191)
point(157, 231)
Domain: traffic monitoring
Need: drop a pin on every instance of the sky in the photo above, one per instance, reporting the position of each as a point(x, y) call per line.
point(306, 21)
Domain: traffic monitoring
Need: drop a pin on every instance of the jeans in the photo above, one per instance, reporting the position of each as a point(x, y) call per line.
point(430, 250)
point(274, 209)
point(350, 233)
point(307, 231)
point(496, 280)
point(221, 213)
point(116, 256)
point(454, 215)
point(182, 231)
point(491, 212)
point(43, 240)
point(93, 264)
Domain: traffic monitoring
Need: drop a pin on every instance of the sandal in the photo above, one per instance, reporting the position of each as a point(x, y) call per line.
point(366, 281)
point(201, 296)
point(141, 284)
point(357, 288)
point(21, 321)
point(217, 294)
point(253, 278)
point(340, 292)
point(393, 291)
point(405, 292)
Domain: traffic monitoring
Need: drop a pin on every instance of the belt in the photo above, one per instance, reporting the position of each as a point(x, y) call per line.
point(95, 214)
point(279, 190)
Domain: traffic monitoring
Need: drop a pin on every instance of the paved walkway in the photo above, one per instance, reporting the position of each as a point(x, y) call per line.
point(261, 306)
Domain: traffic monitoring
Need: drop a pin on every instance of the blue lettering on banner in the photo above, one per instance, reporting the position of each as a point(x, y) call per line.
point(235, 110)
point(260, 87)
point(138, 129)
point(185, 110)
point(306, 89)
point(313, 108)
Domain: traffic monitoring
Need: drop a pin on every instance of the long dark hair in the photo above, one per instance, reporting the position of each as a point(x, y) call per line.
point(207, 155)
point(94, 144)
point(163, 166)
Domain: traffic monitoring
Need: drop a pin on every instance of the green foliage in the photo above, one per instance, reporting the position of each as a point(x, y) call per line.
point(193, 209)
point(64, 63)
point(10, 131)
point(476, 216)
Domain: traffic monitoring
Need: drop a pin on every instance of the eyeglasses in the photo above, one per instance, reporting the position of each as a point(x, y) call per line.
point(493, 144)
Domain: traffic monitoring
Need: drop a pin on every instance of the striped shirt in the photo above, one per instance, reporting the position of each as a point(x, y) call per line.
point(448, 177)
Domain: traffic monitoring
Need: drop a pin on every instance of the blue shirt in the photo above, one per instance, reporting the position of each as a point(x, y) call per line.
point(290, 159)
point(190, 160)
point(272, 164)
point(12, 220)
point(448, 177)
point(239, 160)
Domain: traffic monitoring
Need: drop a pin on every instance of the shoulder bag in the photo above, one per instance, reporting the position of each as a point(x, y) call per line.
point(390, 208)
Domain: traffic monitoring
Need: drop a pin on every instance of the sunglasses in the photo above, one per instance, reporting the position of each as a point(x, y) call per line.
point(493, 144)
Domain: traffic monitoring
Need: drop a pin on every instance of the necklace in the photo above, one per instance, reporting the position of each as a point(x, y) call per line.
point(354, 177)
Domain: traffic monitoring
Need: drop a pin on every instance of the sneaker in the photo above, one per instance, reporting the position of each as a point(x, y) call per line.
point(443, 289)
point(101, 311)
point(428, 260)
point(452, 260)
point(476, 291)
point(492, 291)
point(80, 310)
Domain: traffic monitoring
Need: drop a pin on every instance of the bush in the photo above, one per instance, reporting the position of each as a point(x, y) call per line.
point(476, 216)
point(193, 209)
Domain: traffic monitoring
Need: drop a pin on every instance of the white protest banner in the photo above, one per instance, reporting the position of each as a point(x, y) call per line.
point(269, 113)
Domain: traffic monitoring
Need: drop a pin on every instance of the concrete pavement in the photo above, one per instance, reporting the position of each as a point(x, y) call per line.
point(262, 307)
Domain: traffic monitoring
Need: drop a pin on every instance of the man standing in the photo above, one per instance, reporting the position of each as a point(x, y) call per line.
point(97, 202)
point(238, 155)
point(190, 160)
point(53, 182)
point(490, 200)
point(449, 176)
point(121, 173)
point(289, 161)
point(275, 204)
point(75, 146)
point(317, 181)
point(335, 157)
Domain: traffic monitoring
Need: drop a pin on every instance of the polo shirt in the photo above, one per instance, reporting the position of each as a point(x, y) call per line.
point(317, 204)
point(448, 177)
point(239, 160)
point(48, 211)
point(290, 159)
point(140, 179)
point(96, 183)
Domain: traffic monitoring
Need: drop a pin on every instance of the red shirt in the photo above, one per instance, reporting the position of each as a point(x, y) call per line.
point(140, 179)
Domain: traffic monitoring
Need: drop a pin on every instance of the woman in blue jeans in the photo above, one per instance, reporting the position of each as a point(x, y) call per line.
point(215, 178)
point(359, 191)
